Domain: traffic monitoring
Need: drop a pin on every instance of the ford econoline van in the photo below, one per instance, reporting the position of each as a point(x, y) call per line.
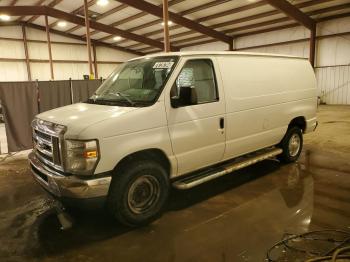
point(173, 119)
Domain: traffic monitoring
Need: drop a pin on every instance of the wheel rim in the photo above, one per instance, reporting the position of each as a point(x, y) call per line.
point(294, 145)
point(143, 194)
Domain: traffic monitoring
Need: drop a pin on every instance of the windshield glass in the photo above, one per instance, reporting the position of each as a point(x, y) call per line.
point(137, 82)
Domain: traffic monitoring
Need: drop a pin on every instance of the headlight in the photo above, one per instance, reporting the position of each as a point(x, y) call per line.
point(81, 156)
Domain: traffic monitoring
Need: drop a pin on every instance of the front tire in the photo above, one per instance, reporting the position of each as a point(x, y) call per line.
point(138, 192)
point(291, 144)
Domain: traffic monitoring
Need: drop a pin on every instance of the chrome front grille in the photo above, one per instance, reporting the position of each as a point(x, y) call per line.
point(48, 139)
point(42, 135)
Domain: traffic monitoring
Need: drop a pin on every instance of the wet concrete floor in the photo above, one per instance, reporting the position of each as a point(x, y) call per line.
point(234, 218)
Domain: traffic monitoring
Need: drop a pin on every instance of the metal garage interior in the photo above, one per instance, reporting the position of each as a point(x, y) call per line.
point(57, 52)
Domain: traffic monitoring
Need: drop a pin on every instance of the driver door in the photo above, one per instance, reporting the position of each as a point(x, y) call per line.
point(197, 131)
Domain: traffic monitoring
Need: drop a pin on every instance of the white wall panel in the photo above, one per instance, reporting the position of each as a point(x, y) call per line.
point(15, 71)
point(104, 70)
point(334, 26)
point(11, 32)
point(10, 71)
point(334, 84)
point(11, 49)
point(216, 46)
point(38, 50)
point(64, 71)
point(334, 51)
point(297, 49)
point(69, 52)
point(60, 38)
point(109, 54)
point(35, 34)
point(272, 37)
point(40, 71)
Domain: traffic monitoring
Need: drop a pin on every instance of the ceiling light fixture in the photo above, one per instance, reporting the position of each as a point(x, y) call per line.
point(169, 23)
point(62, 23)
point(102, 2)
point(4, 17)
point(117, 38)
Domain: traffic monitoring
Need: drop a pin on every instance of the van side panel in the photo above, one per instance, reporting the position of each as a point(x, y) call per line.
point(263, 94)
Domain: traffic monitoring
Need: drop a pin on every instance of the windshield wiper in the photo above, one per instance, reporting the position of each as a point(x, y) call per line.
point(90, 101)
point(126, 98)
point(106, 102)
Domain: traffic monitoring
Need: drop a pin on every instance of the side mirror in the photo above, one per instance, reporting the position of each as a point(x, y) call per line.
point(187, 96)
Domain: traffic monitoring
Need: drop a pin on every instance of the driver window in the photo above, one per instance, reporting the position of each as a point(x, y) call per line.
point(199, 74)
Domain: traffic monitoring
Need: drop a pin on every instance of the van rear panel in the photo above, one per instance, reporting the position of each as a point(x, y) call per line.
point(263, 94)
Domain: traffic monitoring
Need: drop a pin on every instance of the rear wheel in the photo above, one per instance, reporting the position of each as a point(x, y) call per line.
point(291, 144)
point(138, 192)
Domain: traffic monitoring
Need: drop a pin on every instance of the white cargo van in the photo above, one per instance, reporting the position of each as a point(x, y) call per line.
point(177, 119)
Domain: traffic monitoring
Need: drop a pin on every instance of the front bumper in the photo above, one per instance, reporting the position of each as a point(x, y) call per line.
point(68, 187)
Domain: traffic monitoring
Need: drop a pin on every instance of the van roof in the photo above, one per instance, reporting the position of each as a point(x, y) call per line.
point(197, 53)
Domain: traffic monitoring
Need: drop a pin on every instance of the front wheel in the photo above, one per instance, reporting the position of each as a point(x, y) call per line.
point(291, 144)
point(138, 192)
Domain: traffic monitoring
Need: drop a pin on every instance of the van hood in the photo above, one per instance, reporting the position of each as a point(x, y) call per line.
point(79, 116)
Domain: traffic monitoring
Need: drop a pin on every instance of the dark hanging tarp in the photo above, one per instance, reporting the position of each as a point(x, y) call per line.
point(20, 105)
point(83, 89)
point(53, 94)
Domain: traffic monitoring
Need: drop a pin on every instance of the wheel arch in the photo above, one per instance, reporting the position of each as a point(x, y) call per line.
point(154, 154)
point(299, 121)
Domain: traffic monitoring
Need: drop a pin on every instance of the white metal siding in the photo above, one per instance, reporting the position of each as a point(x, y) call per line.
point(332, 58)
point(17, 71)
point(11, 49)
point(333, 84)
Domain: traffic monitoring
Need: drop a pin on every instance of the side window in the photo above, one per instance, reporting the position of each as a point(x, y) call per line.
point(197, 74)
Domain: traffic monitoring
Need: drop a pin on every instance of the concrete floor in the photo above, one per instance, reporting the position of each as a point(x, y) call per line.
point(234, 218)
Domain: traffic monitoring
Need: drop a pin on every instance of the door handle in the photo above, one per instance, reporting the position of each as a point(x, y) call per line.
point(222, 123)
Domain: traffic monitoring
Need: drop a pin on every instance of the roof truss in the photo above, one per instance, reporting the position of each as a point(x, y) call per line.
point(293, 12)
point(130, 18)
point(180, 20)
point(44, 10)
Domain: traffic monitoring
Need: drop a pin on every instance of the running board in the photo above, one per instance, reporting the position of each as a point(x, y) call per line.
point(207, 175)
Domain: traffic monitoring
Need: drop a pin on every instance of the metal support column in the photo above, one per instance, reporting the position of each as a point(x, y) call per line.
point(26, 53)
point(312, 54)
point(166, 26)
point(95, 60)
point(49, 46)
point(88, 40)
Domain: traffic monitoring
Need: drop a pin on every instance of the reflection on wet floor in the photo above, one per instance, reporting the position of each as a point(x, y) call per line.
point(235, 218)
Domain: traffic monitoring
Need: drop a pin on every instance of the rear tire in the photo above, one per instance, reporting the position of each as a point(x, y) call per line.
point(138, 192)
point(291, 144)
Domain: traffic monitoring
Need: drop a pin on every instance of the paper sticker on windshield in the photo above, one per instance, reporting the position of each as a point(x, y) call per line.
point(163, 65)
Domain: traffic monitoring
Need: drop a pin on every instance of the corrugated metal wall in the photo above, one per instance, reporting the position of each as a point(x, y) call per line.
point(76, 51)
point(332, 58)
point(333, 83)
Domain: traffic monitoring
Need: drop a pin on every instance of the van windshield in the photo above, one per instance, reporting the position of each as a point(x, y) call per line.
point(135, 83)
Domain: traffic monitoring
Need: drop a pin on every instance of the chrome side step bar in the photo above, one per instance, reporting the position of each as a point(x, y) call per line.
point(205, 176)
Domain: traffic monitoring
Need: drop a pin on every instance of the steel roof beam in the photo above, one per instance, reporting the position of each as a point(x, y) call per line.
point(57, 32)
point(44, 10)
point(293, 12)
point(180, 20)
